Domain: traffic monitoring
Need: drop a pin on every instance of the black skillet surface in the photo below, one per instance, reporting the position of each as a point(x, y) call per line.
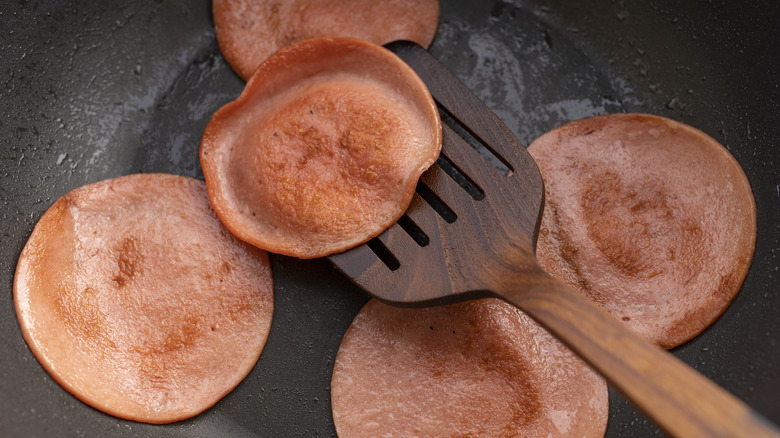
point(96, 89)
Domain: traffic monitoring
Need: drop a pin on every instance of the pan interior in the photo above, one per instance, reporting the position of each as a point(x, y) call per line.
point(91, 93)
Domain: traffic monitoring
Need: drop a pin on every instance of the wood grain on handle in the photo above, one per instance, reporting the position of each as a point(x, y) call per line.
point(679, 399)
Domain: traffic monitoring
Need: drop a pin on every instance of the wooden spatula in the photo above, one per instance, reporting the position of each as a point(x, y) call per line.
point(471, 231)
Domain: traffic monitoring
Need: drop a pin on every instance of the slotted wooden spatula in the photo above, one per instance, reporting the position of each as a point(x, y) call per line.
point(471, 231)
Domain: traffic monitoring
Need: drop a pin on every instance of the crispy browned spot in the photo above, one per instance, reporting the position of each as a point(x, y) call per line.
point(129, 261)
point(82, 317)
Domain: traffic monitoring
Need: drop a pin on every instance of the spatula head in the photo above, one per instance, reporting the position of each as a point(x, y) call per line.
point(474, 219)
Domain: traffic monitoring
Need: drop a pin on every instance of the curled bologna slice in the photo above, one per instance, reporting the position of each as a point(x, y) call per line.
point(652, 219)
point(249, 31)
point(136, 299)
point(323, 149)
point(479, 368)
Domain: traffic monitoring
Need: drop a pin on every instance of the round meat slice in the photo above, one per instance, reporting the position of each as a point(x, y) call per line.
point(472, 369)
point(652, 219)
point(249, 31)
point(137, 300)
point(323, 149)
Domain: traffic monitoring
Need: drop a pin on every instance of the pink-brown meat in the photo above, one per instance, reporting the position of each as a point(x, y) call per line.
point(249, 31)
point(652, 219)
point(473, 369)
point(322, 150)
point(137, 300)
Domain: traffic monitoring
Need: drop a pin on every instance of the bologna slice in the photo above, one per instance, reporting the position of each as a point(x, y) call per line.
point(137, 300)
point(249, 31)
point(651, 218)
point(323, 149)
point(479, 368)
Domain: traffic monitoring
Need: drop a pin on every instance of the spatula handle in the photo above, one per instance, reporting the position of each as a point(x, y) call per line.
point(680, 400)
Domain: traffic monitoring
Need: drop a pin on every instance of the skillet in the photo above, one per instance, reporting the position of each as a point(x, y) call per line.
point(97, 89)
